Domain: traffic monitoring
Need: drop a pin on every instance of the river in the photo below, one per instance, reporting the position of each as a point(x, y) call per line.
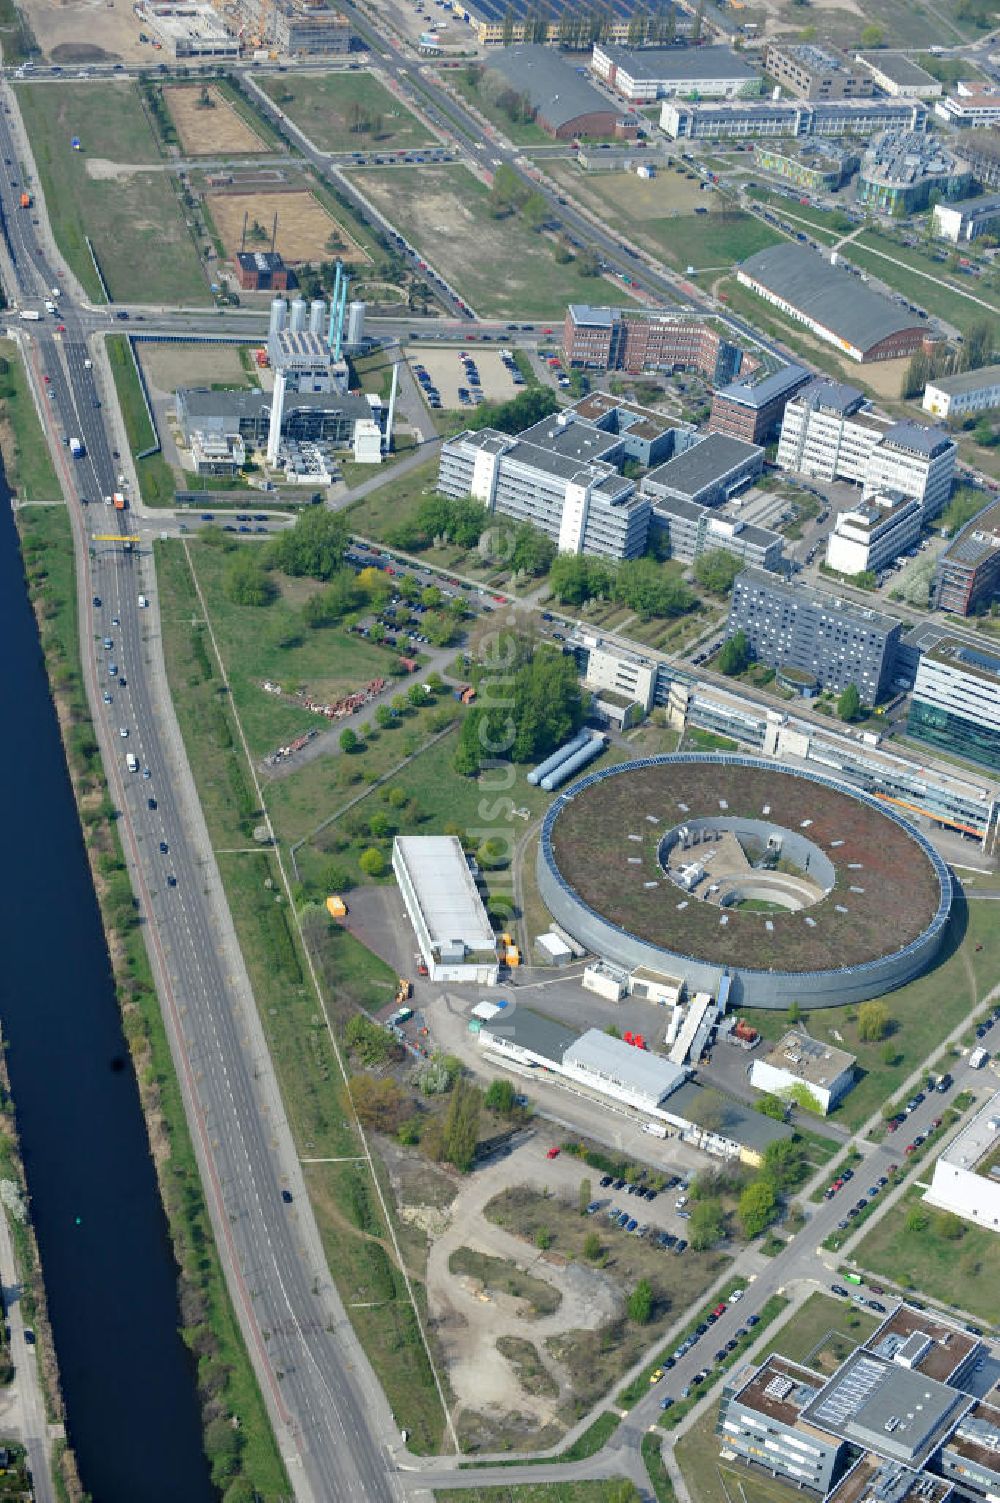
point(110, 1275)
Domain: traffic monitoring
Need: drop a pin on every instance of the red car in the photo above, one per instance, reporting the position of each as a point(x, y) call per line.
point(47, 380)
point(911, 1148)
point(553, 1153)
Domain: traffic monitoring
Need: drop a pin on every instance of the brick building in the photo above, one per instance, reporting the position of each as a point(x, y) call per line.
point(619, 339)
point(752, 407)
point(263, 271)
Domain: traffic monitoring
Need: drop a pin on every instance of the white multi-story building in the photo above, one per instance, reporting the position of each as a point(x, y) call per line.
point(967, 219)
point(971, 106)
point(871, 535)
point(970, 391)
point(829, 433)
point(967, 1174)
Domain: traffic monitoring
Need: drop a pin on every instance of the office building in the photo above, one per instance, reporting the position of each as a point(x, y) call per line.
point(815, 164)
point(888, 1404)
point(691, 530)
point(313, 417)
point(901, 169)
point(967, 219)
point(651, 73)
point(683, 121)
point(828, 642)
point(296, 28)
point(967, 577)
point(870, 535)
point(761, 1418)
point(969, 391)
point(613, 673)
point(751, 407)
point(973, 106)
point(645, 436)
point(307, 361)
point(967, 1173)
point(443, 904)
point(811, 72)
point(970, 1457)
point(620, 339)
point(706, 473)
point(899, 75)
point(916, 461)
point(562, 102)
point(956, 703)
point(837, 307)
point(799, 1068)
point(560, 485)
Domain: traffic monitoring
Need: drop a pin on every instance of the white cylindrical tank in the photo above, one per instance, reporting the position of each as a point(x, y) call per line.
point(573, 764)
point(279, 313)
point(317, 314)
point(297, 315)
point(355, 324)
point(562, 754)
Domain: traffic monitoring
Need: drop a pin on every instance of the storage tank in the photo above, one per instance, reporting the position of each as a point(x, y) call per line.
point(551, 763)
point(297, 318)
point(356, 324)
point(317, 315)
point(279, 313)
point(595, 745)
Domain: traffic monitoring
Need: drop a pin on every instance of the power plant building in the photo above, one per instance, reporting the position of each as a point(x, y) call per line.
point(262, 271)
point(327, 417)
point(307, 361)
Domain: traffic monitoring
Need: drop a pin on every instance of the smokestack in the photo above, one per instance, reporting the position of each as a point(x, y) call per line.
point(332, 330)
point(341, 313)
point(274, 232)
point(243, 236)
point(277, 413)
point(279, 312)
point(392, 408)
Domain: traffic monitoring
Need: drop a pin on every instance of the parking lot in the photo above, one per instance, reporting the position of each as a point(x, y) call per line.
point(448, 374)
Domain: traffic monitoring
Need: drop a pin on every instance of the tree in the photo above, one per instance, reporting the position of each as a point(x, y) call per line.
point(378, 1103)
point(461, 1126)
point(784, 1163)
point(918, 374)
point(520, 412)
point(223, 1444)
point(349, 742)
point(336, 878)
point(949, 1226)
point(706, 1226)
point(500, 1097)
point(639, 1304)
point(757, 1207)
point(586, 1195)
point(917, 1220)
point(772, 1106)
point(735, 654)
point(716, 569)
point(543, 1239)
point(368, 1042)
point(314, 547)
point(872, 36)
point(873, 1022)
point(849, 703)
point(977, 345)
point(372, 862)
point(245, 582)
point(592, 1247)
point(384, 717)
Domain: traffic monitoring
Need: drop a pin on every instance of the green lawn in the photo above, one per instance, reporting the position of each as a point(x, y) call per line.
point(25, 454)
point(827, 224)
point(711, 240)
point(822, 1332)
point(963, 1270)
point(327, 106)
point(608, 1491)
point(443, 211)
point(923, 1013)
point(134, 220)
point(713, 1481)
point(522, 134)
point(156, 478)
point(928, 284)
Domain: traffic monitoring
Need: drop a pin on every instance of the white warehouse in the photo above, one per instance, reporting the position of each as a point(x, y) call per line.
point(443, 904)
point(967, 1174)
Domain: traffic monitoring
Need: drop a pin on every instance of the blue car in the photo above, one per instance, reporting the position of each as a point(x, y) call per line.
point(632, 1225)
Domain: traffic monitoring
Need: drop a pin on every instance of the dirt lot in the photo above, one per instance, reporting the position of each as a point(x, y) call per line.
point(84, 31)
point(168, 366)
point(304, 226)
point(210, 132)
point(669, 192)
point(447, 371)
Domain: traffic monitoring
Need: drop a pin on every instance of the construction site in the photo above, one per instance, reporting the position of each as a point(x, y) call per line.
point(256, 28)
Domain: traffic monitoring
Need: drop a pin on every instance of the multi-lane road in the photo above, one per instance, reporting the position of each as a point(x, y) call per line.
point(332, 1424)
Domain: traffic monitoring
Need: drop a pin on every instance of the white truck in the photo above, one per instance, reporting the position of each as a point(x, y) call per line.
point(31, 315)
point(143, 603)
point(76, 448)
point(978, 1058)
point(655, 1129)
point(131, 762)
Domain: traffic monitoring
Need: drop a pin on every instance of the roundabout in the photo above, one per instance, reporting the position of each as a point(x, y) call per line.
point(799, 888)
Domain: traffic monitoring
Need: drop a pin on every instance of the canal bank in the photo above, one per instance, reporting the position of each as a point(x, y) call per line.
point(130, 1382)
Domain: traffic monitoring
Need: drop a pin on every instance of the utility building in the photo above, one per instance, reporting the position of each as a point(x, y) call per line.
point(443, 904)
point(799, 1064)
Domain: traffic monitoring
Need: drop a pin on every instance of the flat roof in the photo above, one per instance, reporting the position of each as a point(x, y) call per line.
point(896, 66)
point(530, 1030)
point(805, 595)
point(963, 381)
point(979, 662)
point(202, 401)
point(552, 85)
point(652, 63)
point(976, 1140)
point(949, 1346)
point(874, 1480)
point(779, 1388)
point(827, 294)
point(757, 391)
point(613, 1060)
point(977, 1437)
point(710, 460)
point(807, 1058)
point(742, 1123)
point(885, 1407)
point(445, 890)
point(572, 437)
point(918, 438)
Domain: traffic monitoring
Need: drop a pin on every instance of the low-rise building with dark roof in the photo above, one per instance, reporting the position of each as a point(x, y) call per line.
point(642, 76)
point(262, 271)
point(308, 416)
point(970, 1457)
point(751, 407)
point(837, 307)
point(564, 103)
point(706, 473)
point(900, 76)
point(691, 530)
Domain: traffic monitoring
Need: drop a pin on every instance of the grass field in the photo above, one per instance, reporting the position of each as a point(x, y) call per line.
point(963, 1269)
point(217, 129)
point(304, 225)
point(328, 107)
point(26, 459)
point(923, 280)
point(923, 1012)
point(156, 478)
point(133, 219)
point(828, 225)
point(822, 1332)
point(607, 1491)
point(443, 211)
point(525, 133)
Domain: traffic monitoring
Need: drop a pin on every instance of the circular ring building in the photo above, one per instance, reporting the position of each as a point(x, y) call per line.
point(795, 886)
